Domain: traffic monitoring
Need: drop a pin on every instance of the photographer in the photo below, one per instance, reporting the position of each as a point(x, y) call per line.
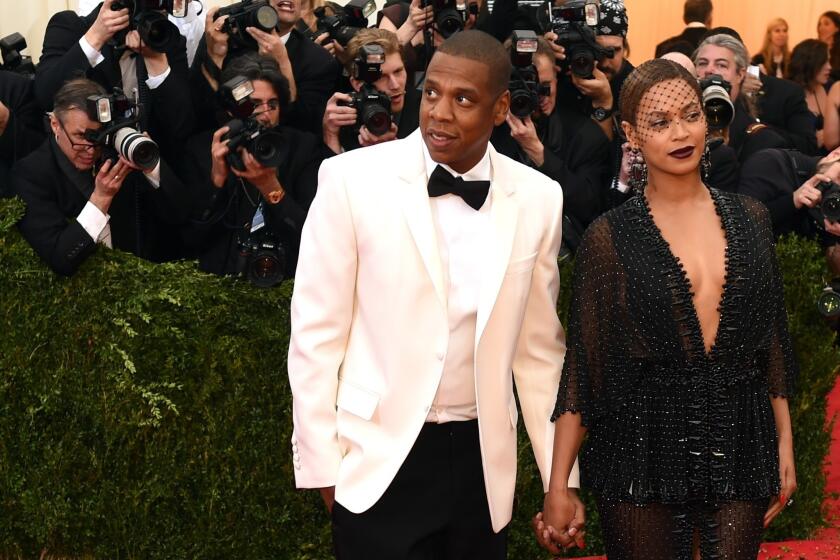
point(103, 47)
point(21, 128)
point(256, 203)
point(76, 198)
point(780, 104)
point(343, 130)
point(559, 142)
point(308, 68)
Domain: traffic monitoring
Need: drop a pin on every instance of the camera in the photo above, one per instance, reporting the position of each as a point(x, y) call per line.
point(148, 18)
point(262, 260)
point(13, 61)
point(524, 86)
point(575, 24)
point(248, 13)
point(245, 131)
point(373, 108)
point(119, 116)
point(829, 206)
point(346, 22)
point(828, 302)
point(449, 16)
point(716, 102)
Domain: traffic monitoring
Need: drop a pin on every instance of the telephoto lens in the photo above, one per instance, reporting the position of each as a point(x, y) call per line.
point(716, 102)
point(137, 148)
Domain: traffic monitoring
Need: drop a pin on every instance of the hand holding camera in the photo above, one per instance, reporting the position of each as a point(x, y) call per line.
point(269, 44)
point(522, 130)
point(218, 155)
point(215, 36)
point(597, 88)
point(156, 62)
point(808, 195)
point(337, 114)
point(108, 182)
point(367, 138)
point(108, 22)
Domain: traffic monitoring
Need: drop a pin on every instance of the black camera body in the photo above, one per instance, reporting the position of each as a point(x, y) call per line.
point(717, 105)
point(373, 108)
point(345, 23)
point(118, 135)
point(828, 302)
point(263, 143)
point(248, 13)
point(262, 260)
point(449, 17)
point(575, 24)
point(829, 207)
point(149, 18)
point(524, 85)
point(13, 61)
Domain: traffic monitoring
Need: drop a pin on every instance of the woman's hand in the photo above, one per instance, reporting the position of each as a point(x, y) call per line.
point(787, 477)
point(561, 523)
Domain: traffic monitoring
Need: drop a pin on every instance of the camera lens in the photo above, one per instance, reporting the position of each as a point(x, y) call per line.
point(137, 148)
point(718, 107)
point(521, 103)
point(156, 31)
point(831, 207)
point(376, 118)
point(828, 304)
point(449, 22)
point(266, 268)
point(267, 148)
point(582, 61)
point(265, 18)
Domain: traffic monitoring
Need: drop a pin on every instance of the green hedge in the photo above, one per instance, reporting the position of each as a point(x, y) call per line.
point(145, 413)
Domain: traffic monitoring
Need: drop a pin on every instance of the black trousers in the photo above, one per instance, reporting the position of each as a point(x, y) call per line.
point(435, 509)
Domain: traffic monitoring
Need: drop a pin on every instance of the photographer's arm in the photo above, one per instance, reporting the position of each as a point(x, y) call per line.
point(271, 45)
point(599, 92)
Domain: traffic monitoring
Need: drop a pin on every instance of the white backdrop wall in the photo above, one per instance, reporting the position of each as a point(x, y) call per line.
point(650, 20)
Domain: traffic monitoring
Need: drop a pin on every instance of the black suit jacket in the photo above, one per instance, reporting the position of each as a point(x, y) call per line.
point(782, 105)
point(316, 73)
point(691, 35)
point(25, 130)
point(55, 197)
point(222, 216)
point(170, 112)
point(576, 156)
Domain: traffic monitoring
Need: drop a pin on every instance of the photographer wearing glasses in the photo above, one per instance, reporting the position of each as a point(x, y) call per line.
point(96, 180)
point(256, 178)
point(125, 44)
point(267, 27)
point(556, 140)
point(381, 106)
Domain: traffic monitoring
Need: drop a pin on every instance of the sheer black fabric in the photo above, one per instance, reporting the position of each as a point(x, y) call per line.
point(668, 422)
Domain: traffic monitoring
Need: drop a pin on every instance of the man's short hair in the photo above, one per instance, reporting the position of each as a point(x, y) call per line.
point(723, 40)
point(74, 94)
point(255, 66)
point(484, 48)
point(697, 10)
point(371, 36)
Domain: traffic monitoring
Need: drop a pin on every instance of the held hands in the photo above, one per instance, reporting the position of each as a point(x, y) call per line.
point(107, 23)
point(561, 523)
point(525, 134)
point(787, 477)
point(367, 138)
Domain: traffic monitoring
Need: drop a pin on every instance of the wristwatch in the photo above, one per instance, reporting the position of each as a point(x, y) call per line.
point(275, 196)
point(600, 114)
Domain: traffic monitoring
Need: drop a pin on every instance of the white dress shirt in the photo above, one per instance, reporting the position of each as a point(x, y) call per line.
point(464, 242)
point(128, 68)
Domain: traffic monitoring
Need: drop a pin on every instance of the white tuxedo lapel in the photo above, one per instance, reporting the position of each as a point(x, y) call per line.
point(504, 213)
point(418, 211)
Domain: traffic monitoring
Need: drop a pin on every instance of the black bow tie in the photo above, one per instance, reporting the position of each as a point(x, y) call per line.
point(442, 182)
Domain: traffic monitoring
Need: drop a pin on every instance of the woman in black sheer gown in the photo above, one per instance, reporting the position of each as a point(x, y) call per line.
point(679, 363)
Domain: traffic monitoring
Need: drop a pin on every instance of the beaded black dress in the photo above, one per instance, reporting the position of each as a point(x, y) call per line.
point(680, 440)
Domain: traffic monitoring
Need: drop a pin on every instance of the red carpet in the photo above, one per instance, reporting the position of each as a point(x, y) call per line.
point(826, 543)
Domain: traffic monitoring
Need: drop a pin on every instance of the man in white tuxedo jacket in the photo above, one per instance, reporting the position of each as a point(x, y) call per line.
point(427, 274)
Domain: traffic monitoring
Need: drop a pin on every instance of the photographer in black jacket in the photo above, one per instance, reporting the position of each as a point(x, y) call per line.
point(561, 143)
point(100, 47)
point(21, 127)
point(76, 199)
point(239, 210)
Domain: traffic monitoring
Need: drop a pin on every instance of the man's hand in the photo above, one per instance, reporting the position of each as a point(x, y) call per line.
point(108, 182)
point(264, 178)
point(5, 115)
point(156, 62)
point(332, 46)
point(751, 84)
point(832, 227)
point(525, 134)
point(335, 117)
point(269, 44)
point(367, 138)
point(218, 152)
point(597, 88)
point(107, 23)
point(561, 523)
point(559, 51)
point(328, 495)
point(214, 37)
point(808, 194)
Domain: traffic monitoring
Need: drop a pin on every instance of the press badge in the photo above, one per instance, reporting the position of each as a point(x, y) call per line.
point(259, 220)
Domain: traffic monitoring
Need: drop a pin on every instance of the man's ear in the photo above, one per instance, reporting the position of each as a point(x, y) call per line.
point(54, 126)
point(501, 108)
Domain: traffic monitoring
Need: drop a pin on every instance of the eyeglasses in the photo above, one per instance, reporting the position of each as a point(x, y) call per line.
point(270, 105)
point(77, 146)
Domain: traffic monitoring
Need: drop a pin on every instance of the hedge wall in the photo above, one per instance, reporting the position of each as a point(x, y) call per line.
point(145, 413)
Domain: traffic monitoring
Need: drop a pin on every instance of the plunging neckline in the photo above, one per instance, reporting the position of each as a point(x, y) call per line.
point(687, 288)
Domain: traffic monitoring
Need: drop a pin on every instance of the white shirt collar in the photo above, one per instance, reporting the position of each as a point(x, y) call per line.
point(482, 171)
point(698, 24)
point(285, 38)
